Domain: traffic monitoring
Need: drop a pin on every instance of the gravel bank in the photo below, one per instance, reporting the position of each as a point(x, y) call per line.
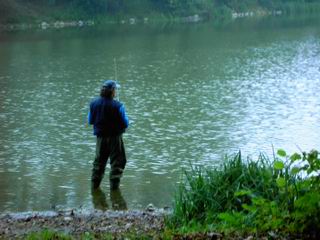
point(77, 222)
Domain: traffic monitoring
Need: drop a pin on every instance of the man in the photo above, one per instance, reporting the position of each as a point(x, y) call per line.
point(109, 121)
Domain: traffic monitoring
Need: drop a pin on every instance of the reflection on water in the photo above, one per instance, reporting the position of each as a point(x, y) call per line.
point(118, 202)
point(100, 201)
point(192, 92)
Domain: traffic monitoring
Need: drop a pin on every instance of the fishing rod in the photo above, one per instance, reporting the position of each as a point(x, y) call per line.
point(115, 68)
point(116, 75)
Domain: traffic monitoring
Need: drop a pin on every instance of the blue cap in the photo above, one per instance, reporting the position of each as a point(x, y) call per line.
point(110, 84)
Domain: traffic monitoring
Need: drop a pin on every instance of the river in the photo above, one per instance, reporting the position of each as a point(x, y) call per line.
point(193, 93)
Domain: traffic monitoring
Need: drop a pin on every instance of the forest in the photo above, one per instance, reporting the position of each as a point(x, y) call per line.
point(13, 11)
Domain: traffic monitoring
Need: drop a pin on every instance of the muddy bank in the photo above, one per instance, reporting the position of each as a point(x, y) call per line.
point(78, 222)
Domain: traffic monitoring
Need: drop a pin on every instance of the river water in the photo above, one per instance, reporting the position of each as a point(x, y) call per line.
point(193, 93)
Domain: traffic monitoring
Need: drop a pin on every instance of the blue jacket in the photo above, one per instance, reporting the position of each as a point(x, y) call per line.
point(108, 117)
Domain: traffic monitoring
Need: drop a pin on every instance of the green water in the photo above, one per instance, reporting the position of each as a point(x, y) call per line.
point(192, 92)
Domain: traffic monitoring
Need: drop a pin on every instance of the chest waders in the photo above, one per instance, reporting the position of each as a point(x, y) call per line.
point(109, 147)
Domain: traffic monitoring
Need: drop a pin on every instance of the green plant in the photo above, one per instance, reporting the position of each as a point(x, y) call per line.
point(295, 208)
point(48, 235)
point(52, 235)
point(252, 197)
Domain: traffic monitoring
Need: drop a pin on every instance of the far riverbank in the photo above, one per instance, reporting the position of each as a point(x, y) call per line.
point(66, 17)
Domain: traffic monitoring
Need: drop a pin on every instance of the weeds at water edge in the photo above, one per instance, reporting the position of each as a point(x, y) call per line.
point(244, 196)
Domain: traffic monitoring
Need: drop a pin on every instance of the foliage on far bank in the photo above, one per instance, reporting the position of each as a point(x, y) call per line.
point(15, 11)
point(274, 198)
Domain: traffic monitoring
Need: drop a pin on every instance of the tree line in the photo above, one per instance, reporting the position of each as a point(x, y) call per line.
point(12, 9)
point(166, 6)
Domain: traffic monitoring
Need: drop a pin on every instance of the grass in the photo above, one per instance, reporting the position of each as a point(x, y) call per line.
point(246, 197)
point(48, 235)
point(53, 235)
point(207, 192)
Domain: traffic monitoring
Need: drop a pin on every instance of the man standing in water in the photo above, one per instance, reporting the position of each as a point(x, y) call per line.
point(109, 121)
